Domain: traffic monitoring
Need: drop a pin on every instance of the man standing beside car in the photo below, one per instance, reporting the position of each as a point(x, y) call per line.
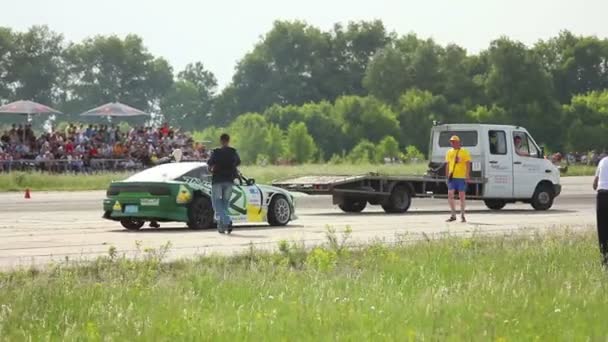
point(458, 172)
point(223, 165)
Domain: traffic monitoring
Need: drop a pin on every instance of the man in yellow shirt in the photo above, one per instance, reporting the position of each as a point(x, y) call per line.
point(458, 172)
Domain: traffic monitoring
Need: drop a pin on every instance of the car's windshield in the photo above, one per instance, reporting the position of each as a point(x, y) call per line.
point(165, 172)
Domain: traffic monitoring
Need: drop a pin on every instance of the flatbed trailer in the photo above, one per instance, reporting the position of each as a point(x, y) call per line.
point(393, 193)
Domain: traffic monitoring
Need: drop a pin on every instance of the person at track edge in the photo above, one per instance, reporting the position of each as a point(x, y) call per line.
point(600, 184)
point(223, 164)
point(458, 171)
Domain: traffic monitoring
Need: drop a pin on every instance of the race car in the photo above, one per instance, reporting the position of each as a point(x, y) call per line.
point(181, 191)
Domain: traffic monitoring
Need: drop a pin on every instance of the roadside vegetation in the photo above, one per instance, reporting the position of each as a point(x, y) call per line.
point(507, 288)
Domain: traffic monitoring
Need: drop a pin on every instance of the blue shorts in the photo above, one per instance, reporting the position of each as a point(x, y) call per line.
point(458, 184)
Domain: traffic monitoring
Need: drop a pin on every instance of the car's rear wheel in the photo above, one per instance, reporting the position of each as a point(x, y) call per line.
point(279, 211)
point(200, 213)
point(352, 206)
point(132, 224)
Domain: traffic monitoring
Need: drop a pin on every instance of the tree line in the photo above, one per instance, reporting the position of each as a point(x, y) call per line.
point(310, 94)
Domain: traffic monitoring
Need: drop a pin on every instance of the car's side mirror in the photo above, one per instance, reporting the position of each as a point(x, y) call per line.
point(542, 152)
point(250, 181)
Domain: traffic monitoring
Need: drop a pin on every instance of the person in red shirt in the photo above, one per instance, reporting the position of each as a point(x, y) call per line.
point(164, 130)
point(93, 152)
point(69, 147)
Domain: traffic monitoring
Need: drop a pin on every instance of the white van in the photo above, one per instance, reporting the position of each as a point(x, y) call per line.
point(501, 172)
point(511, 173)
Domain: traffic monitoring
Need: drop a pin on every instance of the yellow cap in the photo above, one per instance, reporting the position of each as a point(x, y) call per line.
point(454, 138)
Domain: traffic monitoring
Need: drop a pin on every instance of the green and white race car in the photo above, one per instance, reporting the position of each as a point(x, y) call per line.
point(181, 191)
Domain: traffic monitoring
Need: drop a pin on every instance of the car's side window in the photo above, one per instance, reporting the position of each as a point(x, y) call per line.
point(498, 142)
point(201, 173)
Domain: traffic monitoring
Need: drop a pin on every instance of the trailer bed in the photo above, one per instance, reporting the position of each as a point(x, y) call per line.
point(331, 184)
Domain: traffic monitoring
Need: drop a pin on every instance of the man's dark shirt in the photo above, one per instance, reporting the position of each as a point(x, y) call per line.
point(223, 162)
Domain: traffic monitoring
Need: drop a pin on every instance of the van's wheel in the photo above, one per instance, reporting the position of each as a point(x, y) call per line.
point(352, 206)
point(279, 211)
point(132, 224)
point(200, 213)
point(543, 197)
point(399, 201)
point(495, 204)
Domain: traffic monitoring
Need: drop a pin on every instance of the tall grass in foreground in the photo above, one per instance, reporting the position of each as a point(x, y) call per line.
point(508, 289)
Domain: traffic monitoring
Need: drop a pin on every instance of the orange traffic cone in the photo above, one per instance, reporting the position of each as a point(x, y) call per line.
point(27, 193)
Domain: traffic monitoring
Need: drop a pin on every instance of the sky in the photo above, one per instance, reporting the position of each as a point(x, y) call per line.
point(219, 33)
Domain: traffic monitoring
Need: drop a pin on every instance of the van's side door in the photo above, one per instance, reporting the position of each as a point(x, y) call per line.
point(499, 165)
point(528, 165)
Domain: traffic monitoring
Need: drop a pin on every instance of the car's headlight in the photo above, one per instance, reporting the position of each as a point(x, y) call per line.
point(183, 195)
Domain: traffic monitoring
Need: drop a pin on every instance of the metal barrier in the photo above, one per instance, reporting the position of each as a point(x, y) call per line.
point(65, 166)
point(75, 166)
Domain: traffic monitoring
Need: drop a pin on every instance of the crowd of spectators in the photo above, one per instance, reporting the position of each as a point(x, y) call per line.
point(90, 147)
point(591, 158)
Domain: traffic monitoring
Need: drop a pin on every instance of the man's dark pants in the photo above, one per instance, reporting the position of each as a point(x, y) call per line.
point(602, 223)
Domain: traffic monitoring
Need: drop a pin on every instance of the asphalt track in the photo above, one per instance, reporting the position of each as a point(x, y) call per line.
point(55, 226)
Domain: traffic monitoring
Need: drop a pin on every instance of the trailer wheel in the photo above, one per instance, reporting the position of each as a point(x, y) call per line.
point(495, 204)
point(399, 200)
point(352, 206)
point(543, 197)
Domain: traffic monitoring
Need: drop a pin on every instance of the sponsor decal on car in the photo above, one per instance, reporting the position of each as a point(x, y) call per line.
point(149, 202)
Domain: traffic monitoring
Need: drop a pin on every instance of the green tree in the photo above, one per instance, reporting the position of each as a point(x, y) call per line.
point(365, 118)
point(417, 110)
point(364, 152)
point(274, 143)
point(387, 148)
point(488, 115)
point(35, 64)
point(352, 48)
point(577, 64)
point(412, 154)
point(284, 68)
point(249, 132)
point(300, 145)
point(7, 41)
point(189, 102)
point(587, 122)
point(407, 63)
point(107, 68)
point(518, 82)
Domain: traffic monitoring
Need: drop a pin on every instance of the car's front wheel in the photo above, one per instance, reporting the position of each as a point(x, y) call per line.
point(279, 211)
point(132, 224)
point(200, 213)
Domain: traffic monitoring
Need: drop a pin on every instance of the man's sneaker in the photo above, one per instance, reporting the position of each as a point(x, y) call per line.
point(154, 224)
point(229, 228)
